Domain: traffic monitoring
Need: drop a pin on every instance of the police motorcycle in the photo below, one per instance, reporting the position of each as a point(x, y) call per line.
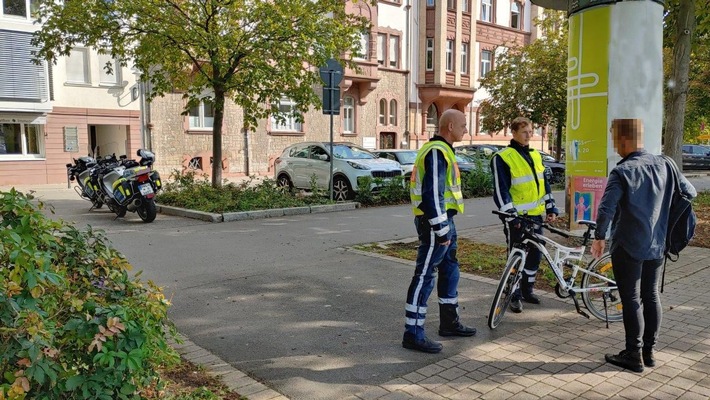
point(128, 185)
point(81, 172)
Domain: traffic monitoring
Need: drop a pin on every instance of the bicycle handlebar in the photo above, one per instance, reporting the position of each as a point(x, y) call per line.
point(509, 216)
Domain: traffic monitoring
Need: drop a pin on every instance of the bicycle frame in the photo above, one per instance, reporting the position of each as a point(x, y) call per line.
point(562, 255)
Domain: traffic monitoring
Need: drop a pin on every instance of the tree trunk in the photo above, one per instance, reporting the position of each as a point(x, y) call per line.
point(217, 138)
point(558, 141)
point(675, 117)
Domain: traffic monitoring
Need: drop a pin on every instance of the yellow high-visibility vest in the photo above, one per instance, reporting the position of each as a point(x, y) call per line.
point(527, 192)
point(453, 197)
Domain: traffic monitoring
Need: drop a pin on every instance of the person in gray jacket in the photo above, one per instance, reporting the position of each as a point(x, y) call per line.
point(636, 204)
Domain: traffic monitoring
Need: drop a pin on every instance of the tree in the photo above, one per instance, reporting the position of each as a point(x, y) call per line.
point(687, 26)
point(252, 52)
point(531, 80)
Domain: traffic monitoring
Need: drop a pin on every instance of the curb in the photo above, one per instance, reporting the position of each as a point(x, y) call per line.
point(255, 214)
point(231, 377)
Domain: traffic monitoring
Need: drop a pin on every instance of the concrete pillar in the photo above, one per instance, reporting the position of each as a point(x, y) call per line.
point(615, 70)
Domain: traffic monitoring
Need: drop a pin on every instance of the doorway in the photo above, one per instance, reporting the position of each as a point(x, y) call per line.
point(387, 140)
point(108, 139)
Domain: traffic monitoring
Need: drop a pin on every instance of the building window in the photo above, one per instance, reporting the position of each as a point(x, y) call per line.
point(429, 54)
point(487, 10)
point(381, 44)
point(78, 66)
point(449, 55)
point(383, 112)
point(515, 19)
point(486, 61)
point(451, 4)
point(287, 108)
point(393, 112)
point(19, 8)
point(348, 114)
point(464, 58)
point(114, 77)
point(202, 115)
point(432, 120)
point(465, 6)
point(20, 140)
point(394, 51)
point(364, 50)
point(430, 3)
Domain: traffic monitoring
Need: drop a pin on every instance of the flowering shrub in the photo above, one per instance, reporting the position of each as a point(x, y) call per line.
point(73, 323)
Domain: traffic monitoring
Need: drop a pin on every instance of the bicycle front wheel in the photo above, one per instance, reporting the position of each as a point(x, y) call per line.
point(594, 300)
point(508, 282)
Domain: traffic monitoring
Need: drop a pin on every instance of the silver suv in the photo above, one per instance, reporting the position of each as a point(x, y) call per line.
point(299, 162)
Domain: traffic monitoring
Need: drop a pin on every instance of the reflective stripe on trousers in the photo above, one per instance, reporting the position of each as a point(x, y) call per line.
point(430, 258)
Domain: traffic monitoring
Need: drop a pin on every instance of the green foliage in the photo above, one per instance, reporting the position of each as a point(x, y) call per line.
point(252, 52)
point(530, 80)
point(73, 323)
point(195, 193)
point(477, 183)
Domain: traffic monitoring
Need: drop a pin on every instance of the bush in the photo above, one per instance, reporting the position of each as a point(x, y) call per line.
point(392, 191)
point(73, 324)
point(478, 182)
point(197, 193)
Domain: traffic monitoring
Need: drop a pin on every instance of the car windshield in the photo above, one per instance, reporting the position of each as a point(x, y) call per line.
point(464, 158)
point(407, 157)
point(350, 152)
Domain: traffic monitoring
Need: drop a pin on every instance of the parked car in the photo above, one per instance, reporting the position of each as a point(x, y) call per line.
point(351, 163)
point(479, 150)
point(696, 156)
point(404, 157)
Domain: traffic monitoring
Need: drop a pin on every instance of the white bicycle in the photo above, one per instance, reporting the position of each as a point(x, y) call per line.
point(597, 287)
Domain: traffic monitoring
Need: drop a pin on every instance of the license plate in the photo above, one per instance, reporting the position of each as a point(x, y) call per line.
point(146, 189)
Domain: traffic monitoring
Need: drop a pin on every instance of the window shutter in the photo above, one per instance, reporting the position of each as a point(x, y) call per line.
point(20, 78)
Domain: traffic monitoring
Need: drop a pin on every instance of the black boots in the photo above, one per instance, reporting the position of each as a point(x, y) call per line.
point(425, 345)
point(450, 324)
point(531, 298)
point(648, 359)
point(630, 360)
point(516, 306)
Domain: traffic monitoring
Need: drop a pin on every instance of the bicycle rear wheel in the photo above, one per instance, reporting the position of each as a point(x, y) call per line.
point(508, 282)
point(594, 300)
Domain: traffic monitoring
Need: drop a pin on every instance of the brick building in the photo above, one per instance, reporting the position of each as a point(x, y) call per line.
point(420, 58)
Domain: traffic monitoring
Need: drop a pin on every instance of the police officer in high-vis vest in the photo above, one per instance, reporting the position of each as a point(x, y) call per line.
point(521, 187)
point(435, 191)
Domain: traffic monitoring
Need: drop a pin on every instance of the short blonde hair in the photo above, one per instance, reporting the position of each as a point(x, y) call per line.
point(520, 122)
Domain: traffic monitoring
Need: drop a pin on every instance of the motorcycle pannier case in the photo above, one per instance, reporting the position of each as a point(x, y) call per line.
point(122, 190)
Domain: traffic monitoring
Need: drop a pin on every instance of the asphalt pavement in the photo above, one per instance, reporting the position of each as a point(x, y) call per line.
point(288, 303)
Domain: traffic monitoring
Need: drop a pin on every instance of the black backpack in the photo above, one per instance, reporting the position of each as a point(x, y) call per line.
point(681, 220)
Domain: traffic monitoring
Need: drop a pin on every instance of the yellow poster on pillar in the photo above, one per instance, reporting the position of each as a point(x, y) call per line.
point(587, 89)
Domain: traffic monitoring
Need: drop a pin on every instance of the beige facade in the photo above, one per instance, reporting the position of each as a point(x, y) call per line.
point(50, 114)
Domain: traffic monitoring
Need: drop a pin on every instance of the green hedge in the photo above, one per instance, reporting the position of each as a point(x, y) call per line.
point(73, 323)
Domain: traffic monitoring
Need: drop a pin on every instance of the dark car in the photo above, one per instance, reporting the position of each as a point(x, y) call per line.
point(479, 150)
point(696, 156)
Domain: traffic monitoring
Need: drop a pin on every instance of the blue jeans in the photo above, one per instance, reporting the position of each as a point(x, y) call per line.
point(431, 257)
point(638, 288)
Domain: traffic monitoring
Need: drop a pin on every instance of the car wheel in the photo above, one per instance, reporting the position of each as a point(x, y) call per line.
point(558, 177)
point(285, 182)
point(341, 189)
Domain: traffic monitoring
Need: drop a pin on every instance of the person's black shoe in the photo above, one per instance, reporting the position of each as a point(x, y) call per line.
point(425, 345)
point(516, 306)
point(458, 329)
point(531, 298)
point(630, 360)
point(648, 359)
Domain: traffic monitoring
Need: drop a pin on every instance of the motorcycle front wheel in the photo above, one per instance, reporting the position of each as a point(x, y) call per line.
point(147, 211)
